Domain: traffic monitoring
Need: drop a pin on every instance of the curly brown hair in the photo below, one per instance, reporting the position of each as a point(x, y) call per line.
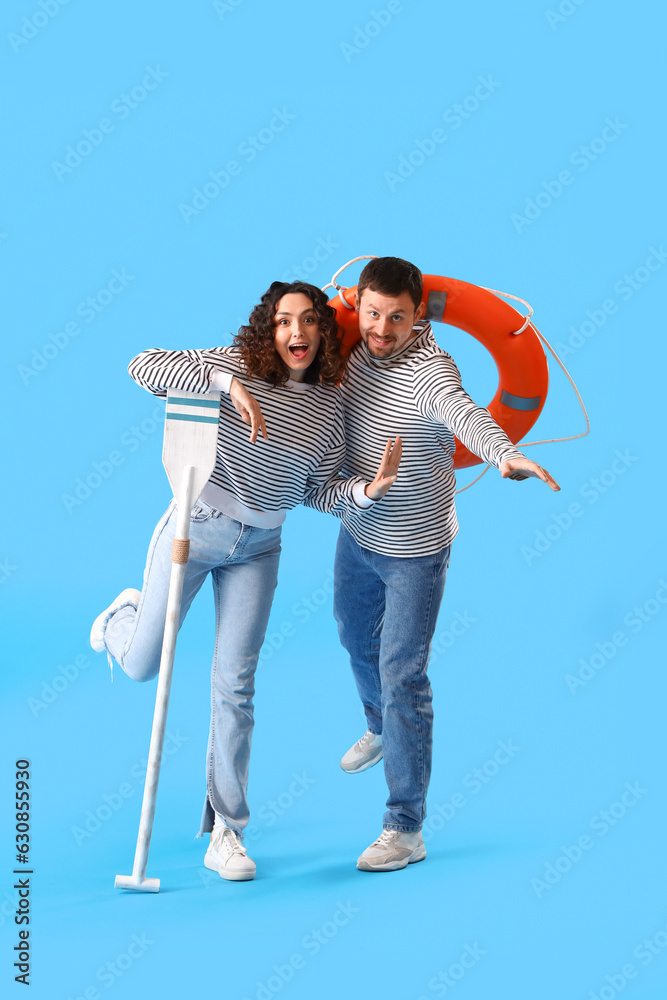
point(257, 346)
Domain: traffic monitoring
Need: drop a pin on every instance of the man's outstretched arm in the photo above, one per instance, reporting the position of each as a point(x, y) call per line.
point(441, 396)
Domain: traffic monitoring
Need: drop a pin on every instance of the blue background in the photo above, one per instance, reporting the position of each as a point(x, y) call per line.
point(358, 101)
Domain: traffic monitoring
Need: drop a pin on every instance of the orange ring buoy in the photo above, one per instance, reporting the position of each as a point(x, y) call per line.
point(520, 359)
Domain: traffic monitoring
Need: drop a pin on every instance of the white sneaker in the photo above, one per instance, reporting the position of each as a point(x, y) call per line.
point(392, 850)
point(227, 856)
point(365, 752)
point(131, 595)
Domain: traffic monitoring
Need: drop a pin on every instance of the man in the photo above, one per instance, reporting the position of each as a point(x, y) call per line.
point(391, 561)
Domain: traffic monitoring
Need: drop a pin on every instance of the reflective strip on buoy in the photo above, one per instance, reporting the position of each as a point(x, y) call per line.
point(519, 402)
point(435, 306)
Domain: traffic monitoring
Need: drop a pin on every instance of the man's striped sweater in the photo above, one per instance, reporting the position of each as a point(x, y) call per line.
point(417, 394)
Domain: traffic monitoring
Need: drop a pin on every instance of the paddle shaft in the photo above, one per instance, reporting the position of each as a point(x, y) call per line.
point(185, 501)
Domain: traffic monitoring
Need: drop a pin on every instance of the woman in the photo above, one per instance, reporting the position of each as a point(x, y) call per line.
point(289, 356)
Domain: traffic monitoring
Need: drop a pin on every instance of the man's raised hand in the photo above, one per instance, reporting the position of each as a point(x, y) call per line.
point(385, 476)
point(246, 404)
point(521, 468)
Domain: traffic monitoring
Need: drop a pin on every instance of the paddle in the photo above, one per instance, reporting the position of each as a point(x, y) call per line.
point(190, 440)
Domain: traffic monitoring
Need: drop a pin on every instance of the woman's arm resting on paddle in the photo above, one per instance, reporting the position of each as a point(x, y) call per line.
point(197, 371)
point(158, 370)
point(246, 404)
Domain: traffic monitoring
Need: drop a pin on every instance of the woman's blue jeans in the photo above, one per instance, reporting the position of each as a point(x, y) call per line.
point(386, 608)
point(243, 563)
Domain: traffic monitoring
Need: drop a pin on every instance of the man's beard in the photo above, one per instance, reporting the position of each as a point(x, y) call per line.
point(380, 352)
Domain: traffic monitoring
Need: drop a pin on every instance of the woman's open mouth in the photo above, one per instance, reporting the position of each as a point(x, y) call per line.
point(298, 351)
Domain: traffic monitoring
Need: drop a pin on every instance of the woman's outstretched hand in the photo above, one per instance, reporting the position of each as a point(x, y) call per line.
point(249, 408)
point(385, 476)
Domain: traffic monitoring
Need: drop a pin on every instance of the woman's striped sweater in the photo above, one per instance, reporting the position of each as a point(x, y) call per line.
point(299, 463)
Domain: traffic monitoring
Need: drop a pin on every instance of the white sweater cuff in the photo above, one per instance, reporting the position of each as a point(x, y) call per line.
point(359, 495)
point(221, 382)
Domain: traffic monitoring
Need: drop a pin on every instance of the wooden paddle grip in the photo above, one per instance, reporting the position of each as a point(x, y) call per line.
point(180, 550)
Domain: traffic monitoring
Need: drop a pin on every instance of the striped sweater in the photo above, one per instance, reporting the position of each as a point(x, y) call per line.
point(299, 463)
point(416, 393)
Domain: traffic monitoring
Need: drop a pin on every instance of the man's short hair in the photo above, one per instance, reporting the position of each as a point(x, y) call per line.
point(392, 276)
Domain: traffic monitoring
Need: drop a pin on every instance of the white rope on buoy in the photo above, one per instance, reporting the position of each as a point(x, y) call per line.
point(341, 289)
point(367, 256)
point(529, 444)
point(516, 299)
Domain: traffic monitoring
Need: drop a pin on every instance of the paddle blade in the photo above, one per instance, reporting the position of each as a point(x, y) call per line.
point(190, 437)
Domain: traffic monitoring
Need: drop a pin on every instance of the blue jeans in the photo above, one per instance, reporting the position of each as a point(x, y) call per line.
point(243, 563)
point(386, 608)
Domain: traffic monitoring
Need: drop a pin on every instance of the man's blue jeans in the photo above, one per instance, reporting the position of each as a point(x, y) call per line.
point(243, 563)
point(386, 608)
